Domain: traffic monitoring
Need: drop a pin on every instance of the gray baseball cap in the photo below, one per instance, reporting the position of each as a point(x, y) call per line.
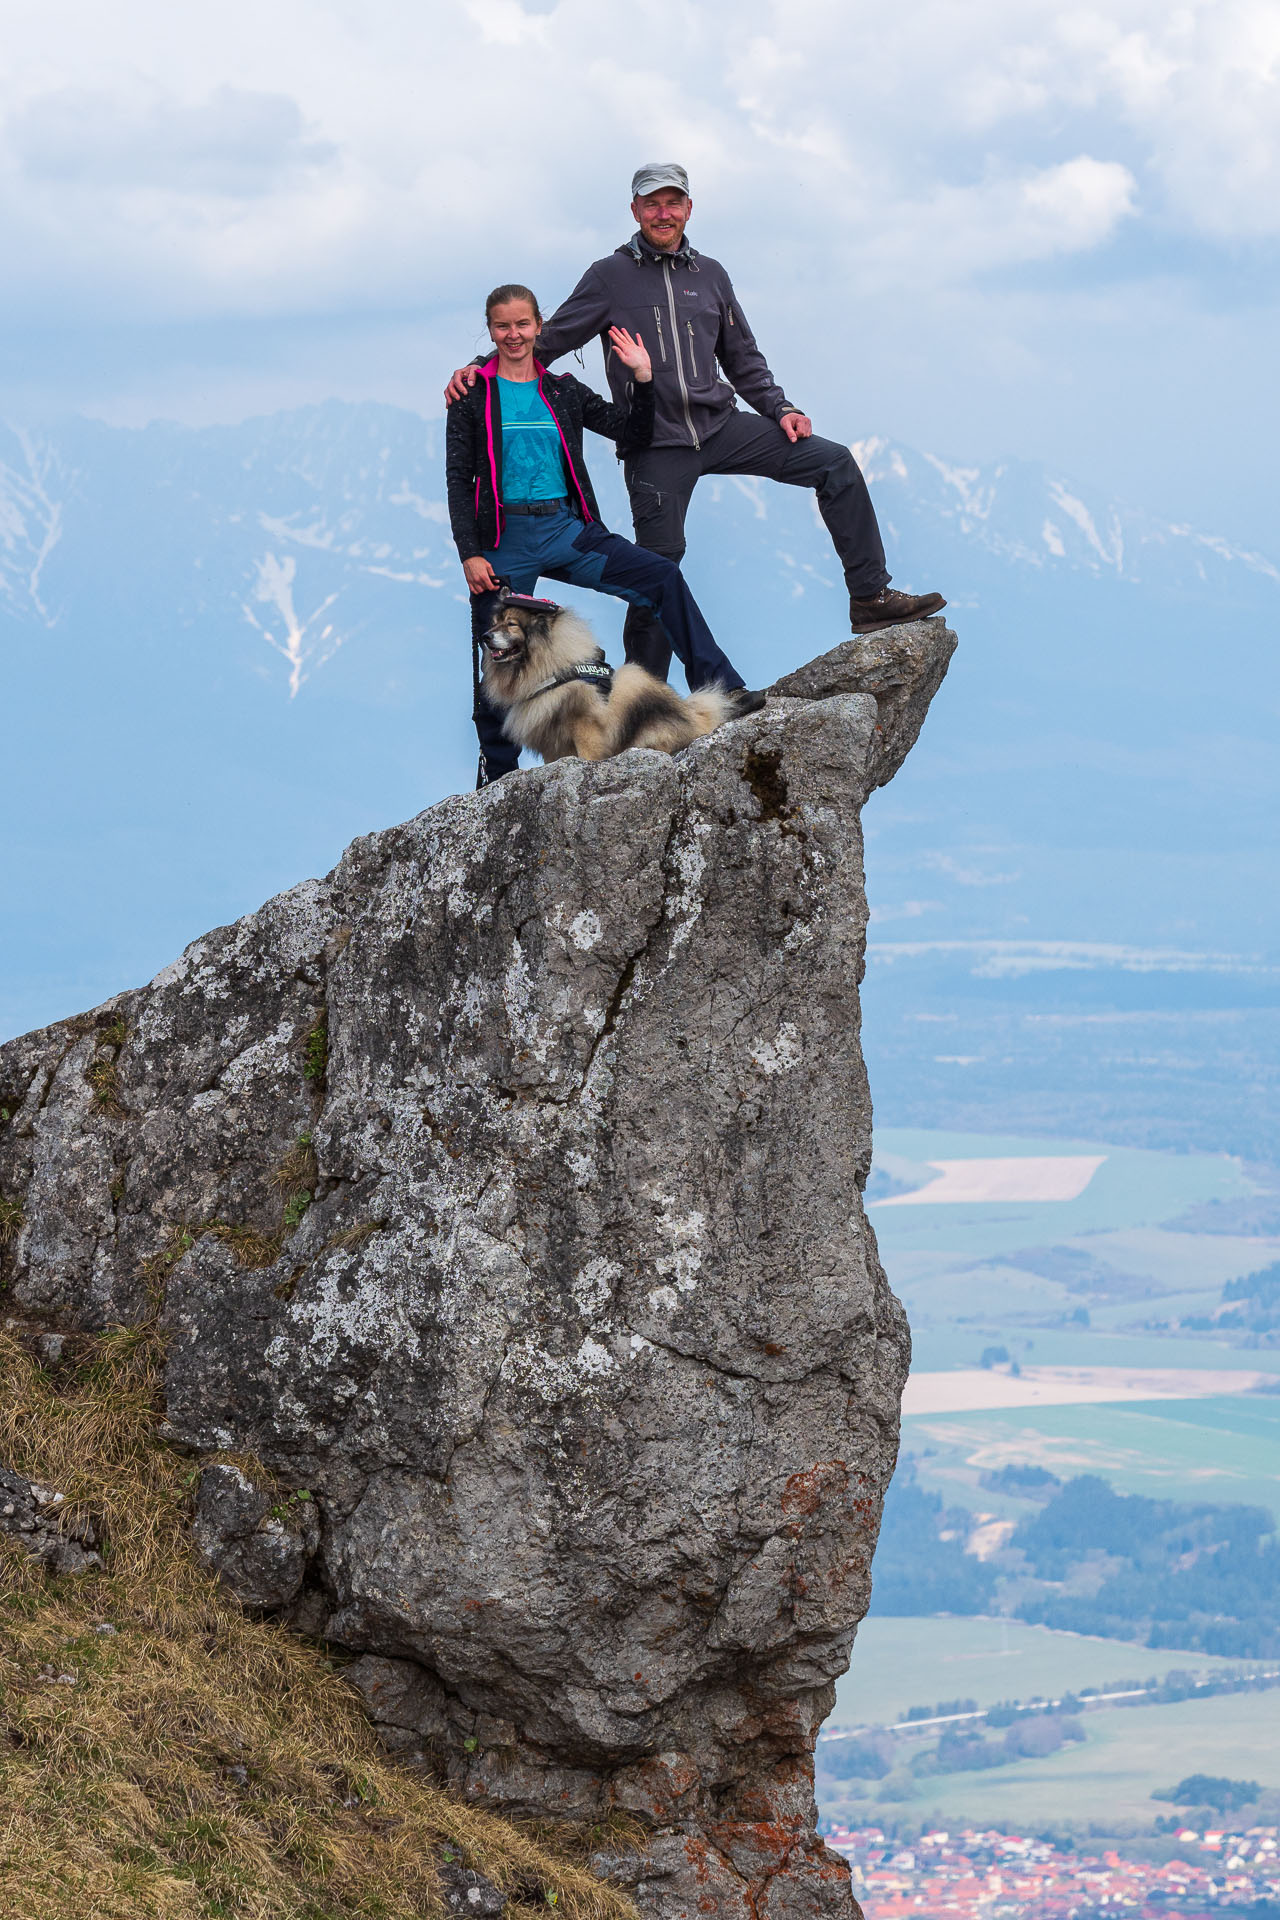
point(658, 173)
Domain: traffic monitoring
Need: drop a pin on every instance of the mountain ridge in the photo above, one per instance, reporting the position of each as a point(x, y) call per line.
point(375, 472)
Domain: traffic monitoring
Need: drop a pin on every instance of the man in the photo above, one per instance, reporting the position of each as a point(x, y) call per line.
point(683, 304)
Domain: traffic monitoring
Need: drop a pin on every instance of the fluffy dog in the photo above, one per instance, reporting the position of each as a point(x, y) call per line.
point(545, 673)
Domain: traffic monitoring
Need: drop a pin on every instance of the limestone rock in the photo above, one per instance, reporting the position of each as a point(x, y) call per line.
point(902, 667)
point(466, 1890)
point(32, 1516)
point(503, 1191)
point(257, 1541)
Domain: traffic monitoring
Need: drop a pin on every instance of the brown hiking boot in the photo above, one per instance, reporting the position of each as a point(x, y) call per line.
point(889, 608)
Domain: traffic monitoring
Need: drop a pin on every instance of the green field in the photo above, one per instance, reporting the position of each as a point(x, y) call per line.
point(1212, 1449)
point(972, 1276)
point(968, 1271)
point(1128, 1753)
point(1113, 1255)
point(1131, 1189)
point(917, 1662)
point(937, 1348)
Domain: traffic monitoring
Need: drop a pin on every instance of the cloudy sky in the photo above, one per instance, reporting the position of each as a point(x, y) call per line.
point(1014, 227)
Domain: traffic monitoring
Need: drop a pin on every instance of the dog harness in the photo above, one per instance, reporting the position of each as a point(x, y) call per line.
point(596, 673)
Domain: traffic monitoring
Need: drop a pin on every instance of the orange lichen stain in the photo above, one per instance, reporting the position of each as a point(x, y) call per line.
point(805, 1492)
point(771, 1841)
point(695, 1853)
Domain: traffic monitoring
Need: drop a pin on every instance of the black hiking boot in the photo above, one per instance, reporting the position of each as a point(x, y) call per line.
point(889, 608)
point(743, 701)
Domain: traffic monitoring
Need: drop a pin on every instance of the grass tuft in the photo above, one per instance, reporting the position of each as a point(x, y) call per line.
point(295, 1207)
point(251, 1247)
point(11, 1220)
point(163, 1756)
point(180, 1238)
point(103, 1071)
point(299, 1169)
point(315, 1050)
point(352, 1237)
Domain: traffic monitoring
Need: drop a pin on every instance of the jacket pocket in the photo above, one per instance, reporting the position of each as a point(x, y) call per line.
point(662, 338)
point(693, 358)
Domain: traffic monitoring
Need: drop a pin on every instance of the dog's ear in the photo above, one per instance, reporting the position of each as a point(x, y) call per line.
point(538, 625)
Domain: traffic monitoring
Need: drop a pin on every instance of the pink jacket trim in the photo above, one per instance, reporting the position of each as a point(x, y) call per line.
point(487, 373)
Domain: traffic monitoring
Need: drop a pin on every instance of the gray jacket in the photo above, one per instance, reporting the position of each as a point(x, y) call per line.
point(683, 307)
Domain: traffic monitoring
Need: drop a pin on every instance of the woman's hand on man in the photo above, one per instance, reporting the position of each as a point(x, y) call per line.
point(481, 577)
point(632, 353)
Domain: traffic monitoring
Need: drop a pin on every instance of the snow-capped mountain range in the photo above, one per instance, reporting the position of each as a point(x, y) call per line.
point(290, 537)
point(1031, 517)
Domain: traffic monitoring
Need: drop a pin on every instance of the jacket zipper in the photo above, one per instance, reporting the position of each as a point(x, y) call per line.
point(662, 344)
point(693, 364)
point(675, 341)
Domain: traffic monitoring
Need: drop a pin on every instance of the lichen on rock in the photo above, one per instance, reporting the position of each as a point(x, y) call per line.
point(579, 1345)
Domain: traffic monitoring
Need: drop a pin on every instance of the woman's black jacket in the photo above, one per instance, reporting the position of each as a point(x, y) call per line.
point(473, 448)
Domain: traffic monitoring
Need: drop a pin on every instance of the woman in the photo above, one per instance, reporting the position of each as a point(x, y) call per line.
point(521, 505)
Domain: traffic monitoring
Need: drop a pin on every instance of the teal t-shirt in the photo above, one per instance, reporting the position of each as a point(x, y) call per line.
point(531, 465)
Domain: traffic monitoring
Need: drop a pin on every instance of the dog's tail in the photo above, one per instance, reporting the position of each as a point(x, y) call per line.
point(708, 709)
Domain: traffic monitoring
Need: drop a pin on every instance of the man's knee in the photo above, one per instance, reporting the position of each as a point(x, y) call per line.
point(822, 462)
point(660, 541)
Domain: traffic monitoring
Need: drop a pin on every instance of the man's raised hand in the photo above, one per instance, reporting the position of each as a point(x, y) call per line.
point(796, 426)
point(632, 352)
point(460, 382)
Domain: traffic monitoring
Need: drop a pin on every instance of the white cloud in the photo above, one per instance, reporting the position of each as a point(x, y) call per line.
point(233, 143)
point(1078, 203)
point(307, 155)
point(995, 215)
point(1001, 221)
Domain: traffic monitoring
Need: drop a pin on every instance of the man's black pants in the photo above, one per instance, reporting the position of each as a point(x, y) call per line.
point(661, 480)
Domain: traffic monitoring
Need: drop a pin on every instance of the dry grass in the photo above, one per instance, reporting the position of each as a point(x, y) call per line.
point(11, 1218)
point(103, 1071)
point(299, 1170)
point(194, 1764)
point(250, 1245)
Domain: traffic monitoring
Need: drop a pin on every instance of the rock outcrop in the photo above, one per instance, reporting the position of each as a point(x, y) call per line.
point(30, 1515)
point(500, 1195)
